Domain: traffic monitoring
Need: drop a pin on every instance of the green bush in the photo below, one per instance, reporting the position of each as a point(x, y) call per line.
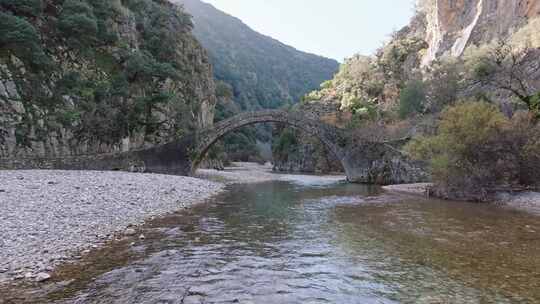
point(78, 24)
point(23, 7)
point(142, 66)
point(20, 38)
point(534, 105)
point(478, 149)
point(412, 98)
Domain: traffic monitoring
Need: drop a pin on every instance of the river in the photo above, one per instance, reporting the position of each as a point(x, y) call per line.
point(290, 242)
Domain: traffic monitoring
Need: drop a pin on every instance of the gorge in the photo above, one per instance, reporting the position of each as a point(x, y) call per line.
point(163, 151)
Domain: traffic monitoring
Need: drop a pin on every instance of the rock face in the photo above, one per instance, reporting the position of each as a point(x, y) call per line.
point(452, 25)
point(379, 165)
point(115, 76)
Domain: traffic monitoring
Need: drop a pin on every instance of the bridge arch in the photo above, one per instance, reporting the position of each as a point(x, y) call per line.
point(327, 134)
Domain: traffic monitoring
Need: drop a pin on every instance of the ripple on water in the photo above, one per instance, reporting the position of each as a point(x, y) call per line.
point(283, 243)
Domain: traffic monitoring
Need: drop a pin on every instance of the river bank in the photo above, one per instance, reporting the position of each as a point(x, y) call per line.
point(294, 242)
point(52, 217)
point(527, 201)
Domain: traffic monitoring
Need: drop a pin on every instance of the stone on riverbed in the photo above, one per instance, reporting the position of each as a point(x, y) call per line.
point(130, 232)
point(42, 276)
point(43, 222)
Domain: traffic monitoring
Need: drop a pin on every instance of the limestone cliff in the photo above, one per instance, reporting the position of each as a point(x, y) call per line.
point(99, 76)
point(452, 25)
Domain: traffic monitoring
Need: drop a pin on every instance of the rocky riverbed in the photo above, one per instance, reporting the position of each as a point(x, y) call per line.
point(51, 217)
point(247, 173)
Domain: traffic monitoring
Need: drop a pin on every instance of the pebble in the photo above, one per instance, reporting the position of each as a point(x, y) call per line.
point(130, 232)
point(42, 276)
point(47, 226)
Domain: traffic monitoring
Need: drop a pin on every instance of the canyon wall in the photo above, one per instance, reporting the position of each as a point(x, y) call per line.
point(87, 77)
point(452, 25)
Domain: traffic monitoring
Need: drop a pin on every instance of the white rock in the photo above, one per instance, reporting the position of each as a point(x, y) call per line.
point(130, 232)
point(42, 276)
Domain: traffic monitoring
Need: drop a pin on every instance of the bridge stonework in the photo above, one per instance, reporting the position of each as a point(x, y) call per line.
point(325, 133)
point(363, 162)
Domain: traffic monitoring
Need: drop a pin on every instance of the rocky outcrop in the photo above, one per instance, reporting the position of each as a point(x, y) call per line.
point(382, 164)
point(126, 75)
point(452, 25)
point(310, 156)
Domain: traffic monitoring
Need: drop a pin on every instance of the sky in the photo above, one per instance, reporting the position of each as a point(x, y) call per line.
point(332, 28)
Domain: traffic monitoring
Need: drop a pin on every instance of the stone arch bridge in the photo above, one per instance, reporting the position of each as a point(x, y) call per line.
point(363, 162)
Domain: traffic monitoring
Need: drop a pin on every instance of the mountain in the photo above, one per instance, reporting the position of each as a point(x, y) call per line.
point(92, 76)
point(263, 72)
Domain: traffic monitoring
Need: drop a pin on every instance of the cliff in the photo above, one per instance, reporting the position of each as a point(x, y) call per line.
point(84, 77)
point(451, 26)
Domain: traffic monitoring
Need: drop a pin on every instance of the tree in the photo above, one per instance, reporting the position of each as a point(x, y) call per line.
point(78, 24)
point(20, 38)
point(512, 69)
point(442, 84)
point(412, 98)
point(31, 8)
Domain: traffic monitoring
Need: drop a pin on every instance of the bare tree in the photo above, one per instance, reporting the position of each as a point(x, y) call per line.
point(514, 70)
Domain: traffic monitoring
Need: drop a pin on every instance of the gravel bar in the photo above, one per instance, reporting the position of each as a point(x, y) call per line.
point(49, 217)
point(249, 173)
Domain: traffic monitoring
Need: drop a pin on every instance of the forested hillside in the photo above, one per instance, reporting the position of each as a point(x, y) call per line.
point(254, 71)
point(93, 76)
point(263, 72)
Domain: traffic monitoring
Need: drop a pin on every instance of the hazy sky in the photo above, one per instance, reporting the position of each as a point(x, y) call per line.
point(335, 29)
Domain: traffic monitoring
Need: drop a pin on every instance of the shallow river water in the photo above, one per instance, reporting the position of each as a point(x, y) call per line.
point(284, 242)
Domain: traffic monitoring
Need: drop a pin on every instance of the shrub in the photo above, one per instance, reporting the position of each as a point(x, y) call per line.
point(478, 149)
point(534, 104)
point(20, 38)
point(78, 24)
point(142, 66)
point(442, 84)
point(24, 7)
point(412, 98)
